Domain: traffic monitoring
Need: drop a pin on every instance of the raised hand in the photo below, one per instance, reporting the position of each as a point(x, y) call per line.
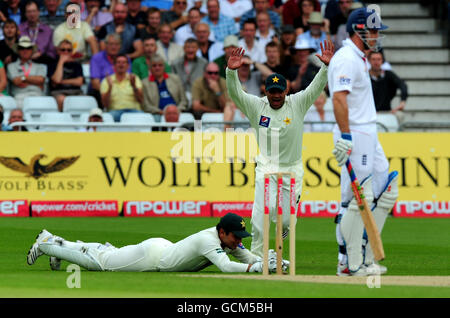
point(235, 60)
point(327, 49)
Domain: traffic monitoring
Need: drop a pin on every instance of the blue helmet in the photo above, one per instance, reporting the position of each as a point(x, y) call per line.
point(364, 19)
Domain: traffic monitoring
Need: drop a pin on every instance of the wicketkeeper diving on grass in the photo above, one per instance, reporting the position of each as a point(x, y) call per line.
point(200, 250)
point(278, 122)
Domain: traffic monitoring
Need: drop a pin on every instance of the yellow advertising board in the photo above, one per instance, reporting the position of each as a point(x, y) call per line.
point(140, 166)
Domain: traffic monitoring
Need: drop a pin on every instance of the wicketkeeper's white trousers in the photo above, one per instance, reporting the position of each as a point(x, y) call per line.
point(258, 204)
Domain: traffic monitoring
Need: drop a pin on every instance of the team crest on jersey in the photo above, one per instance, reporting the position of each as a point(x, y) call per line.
point(343, 80)
point(264, 121)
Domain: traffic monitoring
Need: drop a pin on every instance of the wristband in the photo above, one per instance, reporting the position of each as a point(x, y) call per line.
point(346, 136)
point(218, 94)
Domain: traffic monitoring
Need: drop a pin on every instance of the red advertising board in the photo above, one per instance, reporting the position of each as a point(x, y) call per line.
point(74, 208)
point(243, 209)
point(422, 209)
point(167, 208)
point(14, 208)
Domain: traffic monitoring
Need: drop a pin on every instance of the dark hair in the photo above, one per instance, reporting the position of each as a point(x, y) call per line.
point(29, 2)
point(191, 40)
point(378, 52)
point(120, 55)
point(272, 44)
point(153, 10)
point(250, 21)
point(194, 9)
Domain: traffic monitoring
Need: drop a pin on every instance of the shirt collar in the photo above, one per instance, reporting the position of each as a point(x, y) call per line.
point(348, 42)
point(151, 78)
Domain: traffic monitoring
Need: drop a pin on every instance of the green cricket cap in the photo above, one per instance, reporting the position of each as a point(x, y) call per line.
point(276, 81)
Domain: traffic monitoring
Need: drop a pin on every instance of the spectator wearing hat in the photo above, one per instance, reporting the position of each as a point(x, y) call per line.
point(261, 6)
point(121, 92)
point(249, 42)
point(131, 43)
point(79, 36)
point(190, 66)
point(302, 71)
point(27, 77)
point(94, 16)
point(209, 92)
point(314, 36)
point(218, 23)
point(95, 116)
point(8, 44)
point(162, 89)
point(187, 31)
point(39, 33)
point(141, 65)
point(230, 43)
point(66, 74)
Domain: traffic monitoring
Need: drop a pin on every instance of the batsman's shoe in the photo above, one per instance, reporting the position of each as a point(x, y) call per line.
point(34, 251)
point(377, 268)
point(366, 271)
point(342, 270)
point(55, 263)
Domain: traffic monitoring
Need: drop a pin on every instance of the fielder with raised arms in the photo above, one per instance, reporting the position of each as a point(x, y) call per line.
point(355, 138)
point(278, 123)
point(197, 251)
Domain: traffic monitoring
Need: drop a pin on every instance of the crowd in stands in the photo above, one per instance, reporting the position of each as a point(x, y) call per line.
point(165, 57)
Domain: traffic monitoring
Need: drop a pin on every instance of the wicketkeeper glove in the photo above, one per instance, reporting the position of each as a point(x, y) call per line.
point(258, 267)
point(343, 149)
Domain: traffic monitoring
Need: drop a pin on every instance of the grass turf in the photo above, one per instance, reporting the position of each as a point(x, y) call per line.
point(412, 246)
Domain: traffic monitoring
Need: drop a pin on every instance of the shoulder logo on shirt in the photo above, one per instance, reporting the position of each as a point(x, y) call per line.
point(241, 246)
point(264, 121)
point(219, 250)
point(343, 80)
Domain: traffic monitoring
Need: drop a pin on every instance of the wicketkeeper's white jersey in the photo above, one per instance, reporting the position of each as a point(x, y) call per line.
point(201, 250)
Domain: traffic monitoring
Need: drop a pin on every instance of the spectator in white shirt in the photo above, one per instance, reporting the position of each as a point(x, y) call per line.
point(187, 31)
point(250, 44)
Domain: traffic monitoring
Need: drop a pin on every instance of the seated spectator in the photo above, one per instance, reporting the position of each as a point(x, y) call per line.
point(292, 10)
point(3, 127)
point(3, 80)
point(94, 16)
point(13, 9)
point(207, 49)
point(218, 23)
point(272, 64)
point(287, 43)
point(171, 113)
point(136, 16)
point(234, 9)
point(131, 43)
point(102, 64)
point(187, 31)
point(209, 92)
point(261, 6)
point(15, 116)
point(27, 77)
point(78, 36)
point(190, 66)
point(51, 14)
point(385, 85)
point(95, 116)
point(301, 23)
point(169, 51)
point(251, 81)
point(162, 89)
point(141, 65)
point(318, 115)
point(314, 36)
point(177, 17)
point(341, 16)
point(302, 71)
point(8, 44)
point(121, 92)
point(230, 43)
point(153, 23)
point(264, 32)
point(249, 42)
point(39, 33)
point(341, 33)
point(66, 75)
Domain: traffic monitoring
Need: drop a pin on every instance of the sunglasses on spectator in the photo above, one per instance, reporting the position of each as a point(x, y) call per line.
point(180, 2)
point(212, 73)
point(343, 2)
point(65, 50)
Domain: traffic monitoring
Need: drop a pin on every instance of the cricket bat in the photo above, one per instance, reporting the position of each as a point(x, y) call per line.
point(366, 214)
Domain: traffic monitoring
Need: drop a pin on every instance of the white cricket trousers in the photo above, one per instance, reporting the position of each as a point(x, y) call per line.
point(258, 203)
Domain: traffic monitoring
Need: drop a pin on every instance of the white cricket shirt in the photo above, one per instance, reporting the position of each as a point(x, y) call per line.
point(201, 250)
point(349, 71)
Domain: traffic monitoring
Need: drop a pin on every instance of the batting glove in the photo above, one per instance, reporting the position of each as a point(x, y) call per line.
point(343, 149)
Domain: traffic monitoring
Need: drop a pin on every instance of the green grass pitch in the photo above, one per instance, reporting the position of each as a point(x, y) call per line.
point(414, 247)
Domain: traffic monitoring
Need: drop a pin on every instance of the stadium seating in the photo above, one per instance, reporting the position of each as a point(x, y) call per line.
point(136, 118)
point(387, 120)
point(212, 120)
point(34, 106)
point(56, 117)
point(76, 105)
point(8, 103)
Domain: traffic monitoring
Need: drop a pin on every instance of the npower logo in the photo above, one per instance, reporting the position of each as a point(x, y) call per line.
point(14, 208)
point(167, 208)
